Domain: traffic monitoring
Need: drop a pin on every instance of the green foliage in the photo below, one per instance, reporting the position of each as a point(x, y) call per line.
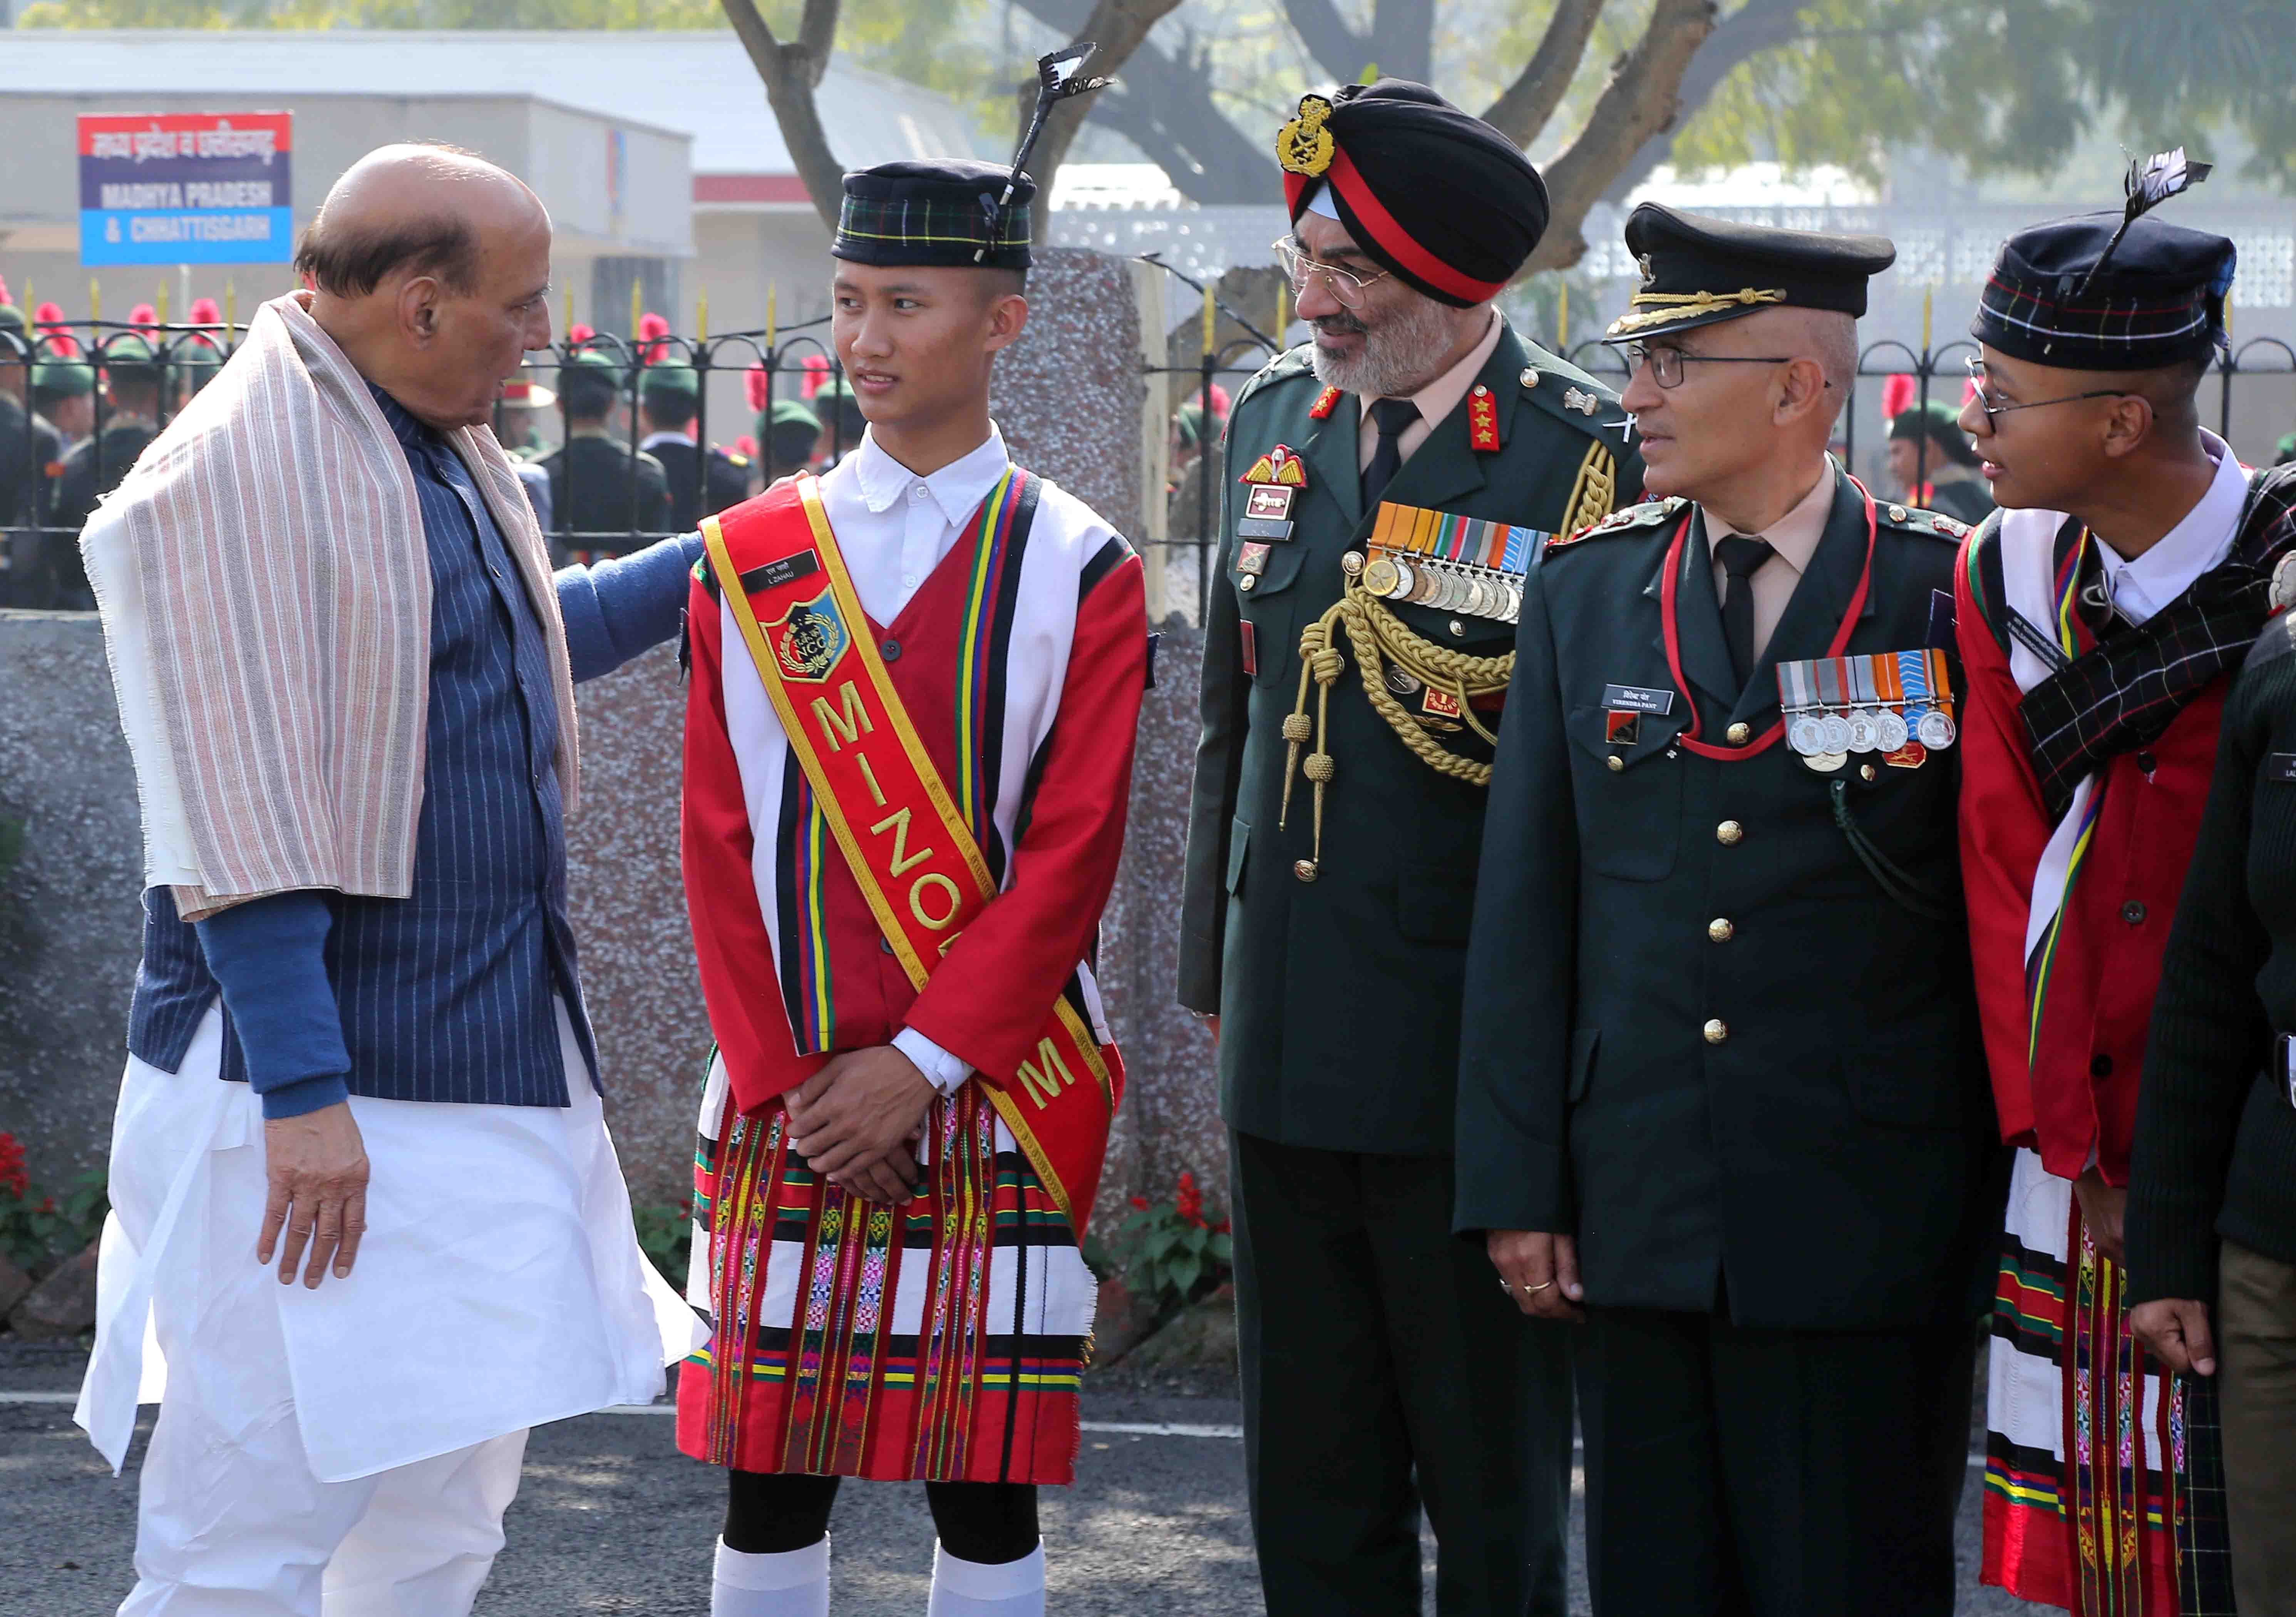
point(1168, 1252)
point(666, 1237)
point(39, 1227)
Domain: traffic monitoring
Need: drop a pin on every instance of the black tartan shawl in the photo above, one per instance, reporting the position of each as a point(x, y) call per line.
point(2122, 695)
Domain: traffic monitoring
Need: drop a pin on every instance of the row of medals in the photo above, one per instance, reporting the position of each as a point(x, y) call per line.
point(1827, 740)
point(1451, 586)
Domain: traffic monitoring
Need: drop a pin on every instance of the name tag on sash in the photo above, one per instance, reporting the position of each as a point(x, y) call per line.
point(2280, 765)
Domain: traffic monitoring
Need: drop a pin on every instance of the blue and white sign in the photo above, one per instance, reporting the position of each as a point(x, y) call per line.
point(186, 188)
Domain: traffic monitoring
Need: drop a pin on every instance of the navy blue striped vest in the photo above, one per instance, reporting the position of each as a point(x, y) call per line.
point(445, 994)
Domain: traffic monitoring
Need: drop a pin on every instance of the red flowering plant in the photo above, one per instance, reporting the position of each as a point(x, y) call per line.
point(38, 1228)
point(1169, 1252)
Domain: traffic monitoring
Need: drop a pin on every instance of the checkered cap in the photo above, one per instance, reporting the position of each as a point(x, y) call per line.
point(935, 213)
point(2158, 300)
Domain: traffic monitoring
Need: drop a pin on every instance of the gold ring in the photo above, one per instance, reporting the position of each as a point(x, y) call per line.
point(1541, 1286)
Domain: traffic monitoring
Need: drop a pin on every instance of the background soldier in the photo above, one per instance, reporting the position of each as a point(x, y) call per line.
point(29, 448)
point(603, 495)
point(669, 397)
point(1721, 1082)
point(786, 436)
point(132, 381)
point(1373, 481)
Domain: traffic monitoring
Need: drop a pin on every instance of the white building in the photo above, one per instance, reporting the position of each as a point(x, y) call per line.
point(656, 154)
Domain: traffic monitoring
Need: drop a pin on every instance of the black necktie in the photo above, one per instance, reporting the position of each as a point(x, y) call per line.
point(1393, 417)
point(1741, 555)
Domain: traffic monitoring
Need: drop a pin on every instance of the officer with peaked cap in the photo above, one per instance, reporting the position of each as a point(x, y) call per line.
point(1720, 1098)
point(1383, 487)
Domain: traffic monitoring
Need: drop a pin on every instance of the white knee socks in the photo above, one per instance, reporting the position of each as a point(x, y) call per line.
point(969, 1588)
point(794, 1584)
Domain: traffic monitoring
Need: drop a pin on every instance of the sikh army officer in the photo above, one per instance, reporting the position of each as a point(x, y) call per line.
point(1383, 487)
point(1721, 1098)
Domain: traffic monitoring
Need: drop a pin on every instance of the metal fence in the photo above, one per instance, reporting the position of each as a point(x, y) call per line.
point(39, 530)
point(2248, 385)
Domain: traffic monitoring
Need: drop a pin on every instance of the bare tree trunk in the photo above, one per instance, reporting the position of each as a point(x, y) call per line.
point(1758, 26)
point(791, 73)
point(1643, 97)
point(1401, 44)
point(1522, 112)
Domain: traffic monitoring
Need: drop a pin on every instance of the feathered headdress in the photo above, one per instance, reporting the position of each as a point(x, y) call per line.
point(2151, 181)
point(755, 382)
point(817, 375)
point(144, 320)
point(652, 329)
point(1898, 395)
point(1059, 76)
point(205, 311)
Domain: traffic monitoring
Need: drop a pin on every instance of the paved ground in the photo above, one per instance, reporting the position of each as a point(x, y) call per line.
point(613, 1520)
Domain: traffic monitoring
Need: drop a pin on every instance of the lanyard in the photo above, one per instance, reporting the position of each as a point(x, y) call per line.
point(1769, 737)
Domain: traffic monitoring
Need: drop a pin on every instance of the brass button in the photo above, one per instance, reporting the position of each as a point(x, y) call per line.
point(1720, 931)
point(1729, 834)
point(1245, 583)
point(1716, 1031)
point(1616, 763)
point(1305, 869)
point(1738, 736)
point(1529, 378)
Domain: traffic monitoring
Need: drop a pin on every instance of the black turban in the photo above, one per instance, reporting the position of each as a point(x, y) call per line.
point(1434, 194)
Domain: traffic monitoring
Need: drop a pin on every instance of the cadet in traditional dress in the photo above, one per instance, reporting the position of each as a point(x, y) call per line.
point(1720, 1095)
point(604, 496)
point(669, 398)
point(2101, 616)
point(1382, 490)
point(915, 683)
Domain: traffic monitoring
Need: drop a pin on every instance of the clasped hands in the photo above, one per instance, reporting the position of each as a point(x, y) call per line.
point(1540, 1271)
point(856, 1120)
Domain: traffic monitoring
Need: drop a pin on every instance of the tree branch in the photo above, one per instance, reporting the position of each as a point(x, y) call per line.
point(789, 73)
point(1121, 27)
point(1165, 107)
point(1403, 39)
point(1522, 112)
point(1758, 26)
point(1337, 49)
point(1643, 97)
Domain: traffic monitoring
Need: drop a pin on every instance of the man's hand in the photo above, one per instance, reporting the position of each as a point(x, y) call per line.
point(2176, 1331)
point(853, 1121)
point(2101, 1210)
point(1541, 1271)
point(316, 1165)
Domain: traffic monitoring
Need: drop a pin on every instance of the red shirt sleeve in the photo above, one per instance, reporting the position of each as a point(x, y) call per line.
point(730, 945)
point(987, 1000)
point(2003, 828)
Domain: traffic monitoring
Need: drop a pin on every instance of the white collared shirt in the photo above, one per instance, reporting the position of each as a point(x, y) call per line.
point(893, 528)
point(2192, 547)
point(1435, 401)
point(666, 437)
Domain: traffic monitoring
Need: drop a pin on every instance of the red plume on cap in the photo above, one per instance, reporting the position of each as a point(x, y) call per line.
point(578, 333)
point(1897, 395)
point(754, 384)
point(817, 374)
point(48, 314)
point(746, 446)
point(4, 289)
point(207, 311)
point(1219, 397)
point(146, 319)
point(652, 329)
point(62, 345)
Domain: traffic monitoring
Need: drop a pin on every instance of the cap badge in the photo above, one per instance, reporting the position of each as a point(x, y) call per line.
point(1304, 146)
point(1280, 465)
point(1649, 273)
point(1581, 400)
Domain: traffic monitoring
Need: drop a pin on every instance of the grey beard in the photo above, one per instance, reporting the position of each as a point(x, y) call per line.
point(1396, 353)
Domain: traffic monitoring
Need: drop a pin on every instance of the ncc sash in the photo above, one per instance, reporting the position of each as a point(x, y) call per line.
point(917, 862)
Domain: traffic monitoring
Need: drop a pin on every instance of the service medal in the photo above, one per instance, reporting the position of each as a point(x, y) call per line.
point(1863, 732)
point(1936, 731)
point(1892, 724)
point(1826, 763)
point(1381, 576)
point(1836, 732)
point(1805, 735)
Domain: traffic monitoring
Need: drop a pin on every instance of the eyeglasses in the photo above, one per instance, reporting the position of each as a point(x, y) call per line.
point(1666, 363)
point(1345, 285)
point(1978, 376)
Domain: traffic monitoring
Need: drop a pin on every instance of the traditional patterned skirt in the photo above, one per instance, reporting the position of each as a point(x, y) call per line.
point(942, 1340)
point(2103, 1474)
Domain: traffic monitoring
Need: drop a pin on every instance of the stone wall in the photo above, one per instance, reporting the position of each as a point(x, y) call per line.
point(1067, 397)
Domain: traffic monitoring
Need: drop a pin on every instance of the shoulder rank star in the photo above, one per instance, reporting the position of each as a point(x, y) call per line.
point(1581, 400)
point(1280, 465)
point(1326, 401)
point(1483, 420)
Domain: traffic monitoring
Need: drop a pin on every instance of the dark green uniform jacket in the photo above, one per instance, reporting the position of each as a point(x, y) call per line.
point(2216, 1128)
point(91, 471)
point(30, 455)
point(591, 484)
point(728, 483)
point(1700, 1033)
point(1339, 998)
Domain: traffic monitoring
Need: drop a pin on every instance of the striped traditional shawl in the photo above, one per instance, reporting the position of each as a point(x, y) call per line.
point(286, 588)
